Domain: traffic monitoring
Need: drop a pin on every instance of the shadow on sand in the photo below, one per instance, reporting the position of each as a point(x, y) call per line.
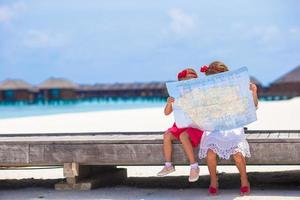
point(259, 180)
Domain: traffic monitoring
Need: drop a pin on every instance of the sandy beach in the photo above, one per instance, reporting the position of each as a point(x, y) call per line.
point(271, 115)
point(268, 182)
point(127, 193)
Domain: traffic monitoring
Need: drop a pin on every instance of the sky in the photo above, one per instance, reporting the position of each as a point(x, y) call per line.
point(141, 41)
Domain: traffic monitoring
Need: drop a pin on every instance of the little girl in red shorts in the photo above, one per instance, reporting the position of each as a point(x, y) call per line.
point(189, 137)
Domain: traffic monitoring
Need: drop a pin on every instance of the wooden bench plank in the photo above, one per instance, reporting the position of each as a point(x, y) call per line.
point(152, 154)
point(273, 135)
point(135, 149)
point(11, 154)
point(294, 136)
point(137, 154)
point(83, 139)
point(125, 139)
point(253, 136)
point(283, 135)
point(264, 135)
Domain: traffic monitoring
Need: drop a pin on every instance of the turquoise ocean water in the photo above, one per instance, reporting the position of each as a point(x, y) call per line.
point(60, 107)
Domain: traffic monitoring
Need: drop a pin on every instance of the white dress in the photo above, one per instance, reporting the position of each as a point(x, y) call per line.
point(224, 143)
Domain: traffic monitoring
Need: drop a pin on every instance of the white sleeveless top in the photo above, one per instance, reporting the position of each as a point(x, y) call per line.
point(224, 143)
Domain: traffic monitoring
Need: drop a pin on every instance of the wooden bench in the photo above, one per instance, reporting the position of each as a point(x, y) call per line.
point(90, 159)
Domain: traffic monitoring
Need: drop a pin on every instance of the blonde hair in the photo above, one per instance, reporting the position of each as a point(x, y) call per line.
point(188, 71)
point(191, 70)
point(216, 67)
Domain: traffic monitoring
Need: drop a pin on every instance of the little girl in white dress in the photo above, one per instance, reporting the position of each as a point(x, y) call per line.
point(226, 143)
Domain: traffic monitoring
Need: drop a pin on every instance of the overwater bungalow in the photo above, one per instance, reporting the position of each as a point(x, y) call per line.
point(157, 89)
point(154, 89)
point(14, 90)
point(287, 86)
point(93, 91)
point(57, 89)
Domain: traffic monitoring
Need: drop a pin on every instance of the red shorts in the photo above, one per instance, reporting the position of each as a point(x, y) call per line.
point(194, 134)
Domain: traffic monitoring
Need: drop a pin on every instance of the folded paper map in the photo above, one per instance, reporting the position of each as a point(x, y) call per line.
point(216, 102)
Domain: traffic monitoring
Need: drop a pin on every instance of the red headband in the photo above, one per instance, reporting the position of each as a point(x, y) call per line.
point(184, 73)
point(204, 68)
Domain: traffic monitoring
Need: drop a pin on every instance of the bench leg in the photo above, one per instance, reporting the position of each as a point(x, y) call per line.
point(87, 177)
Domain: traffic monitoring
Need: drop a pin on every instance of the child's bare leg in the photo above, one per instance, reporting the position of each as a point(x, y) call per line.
point(212, 167)
point(168, 138)
point(187, 146)
point(168, 168)
point(240, 163)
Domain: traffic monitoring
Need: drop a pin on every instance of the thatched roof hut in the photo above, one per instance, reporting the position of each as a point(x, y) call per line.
point(123, 86)
point(58, 89)
point(287, 85)
point(291, 77)
point(16, 90)
point(15, 84)
point(57, 83)
point(153, 89)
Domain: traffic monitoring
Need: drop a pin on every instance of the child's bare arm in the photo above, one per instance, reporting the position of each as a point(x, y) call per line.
point(253, 88)
point(168, 108)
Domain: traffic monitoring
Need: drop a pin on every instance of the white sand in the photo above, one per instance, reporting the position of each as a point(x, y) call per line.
point(271, 115)
point(135, 171)
point(125, 192)
point(128, 193)
point(278, 115)
point(151, 119)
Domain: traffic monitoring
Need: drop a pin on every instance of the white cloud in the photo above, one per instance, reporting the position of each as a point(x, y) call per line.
point(40, 39)
point(8, 12)
point(181, 22)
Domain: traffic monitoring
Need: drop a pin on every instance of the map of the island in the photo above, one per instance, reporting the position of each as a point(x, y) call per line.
point(217, 102)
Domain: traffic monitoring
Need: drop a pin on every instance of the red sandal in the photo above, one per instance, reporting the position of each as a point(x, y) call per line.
point(212, 191)
point(245, 190)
